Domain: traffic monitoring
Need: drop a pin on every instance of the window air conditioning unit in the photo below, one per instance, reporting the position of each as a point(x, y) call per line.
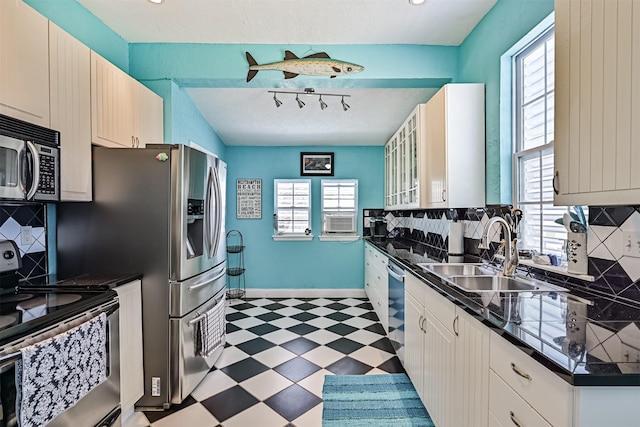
point(340, 223)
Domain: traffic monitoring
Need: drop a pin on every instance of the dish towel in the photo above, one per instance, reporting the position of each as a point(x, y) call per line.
point(56, 373)
point(210, 330)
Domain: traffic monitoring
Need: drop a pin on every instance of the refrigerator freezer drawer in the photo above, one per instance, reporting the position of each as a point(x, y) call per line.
point(188, 366)
point(185, 296)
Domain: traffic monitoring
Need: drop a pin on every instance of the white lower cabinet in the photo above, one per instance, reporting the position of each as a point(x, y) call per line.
point(507, 408)
point(131, 369)
point(376, 283)
point(446, 357)
point(549, 395)
point(525, 393)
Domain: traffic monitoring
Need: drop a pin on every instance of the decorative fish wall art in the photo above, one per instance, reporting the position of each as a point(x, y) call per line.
point(317, 64)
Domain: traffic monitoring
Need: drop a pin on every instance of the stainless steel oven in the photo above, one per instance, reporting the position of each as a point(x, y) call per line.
point(100, 407)
point(29, 161)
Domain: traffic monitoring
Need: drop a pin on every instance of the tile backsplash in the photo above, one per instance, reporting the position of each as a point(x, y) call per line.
point(34, 255)
point(615, 272)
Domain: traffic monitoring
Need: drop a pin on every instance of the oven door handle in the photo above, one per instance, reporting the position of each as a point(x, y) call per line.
point(35, 170)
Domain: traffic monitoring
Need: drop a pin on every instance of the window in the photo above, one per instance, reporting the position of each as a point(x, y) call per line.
point(533, 69)
point(533, 78)
point(339, 206)
point(292, 207)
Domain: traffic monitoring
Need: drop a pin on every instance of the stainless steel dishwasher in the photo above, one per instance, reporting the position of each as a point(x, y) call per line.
point(396, 308)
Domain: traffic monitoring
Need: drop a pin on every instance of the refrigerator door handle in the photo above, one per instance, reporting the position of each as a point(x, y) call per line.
point(207, 215)
point(208, 281)
point(218, 210)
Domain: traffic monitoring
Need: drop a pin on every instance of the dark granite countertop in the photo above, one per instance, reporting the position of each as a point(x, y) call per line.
point(587, 339)
point(85, 281)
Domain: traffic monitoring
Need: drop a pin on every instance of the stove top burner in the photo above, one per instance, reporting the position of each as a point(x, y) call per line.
point(51, 300)
point(15, 297)
point(7, 320)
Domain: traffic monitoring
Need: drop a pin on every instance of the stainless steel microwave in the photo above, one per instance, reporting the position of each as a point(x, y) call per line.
point(29, 161)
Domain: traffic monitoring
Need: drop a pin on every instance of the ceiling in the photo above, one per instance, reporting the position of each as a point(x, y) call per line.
point(248, 116)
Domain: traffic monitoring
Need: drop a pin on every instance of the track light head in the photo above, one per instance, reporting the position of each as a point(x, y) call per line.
point(323, 104)
point(300, 103)
point(277, 101)
point(345, 106)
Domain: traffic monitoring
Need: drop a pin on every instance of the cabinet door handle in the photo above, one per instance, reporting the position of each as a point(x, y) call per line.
point(424, 320)
point(420, 323)
point(444, 195)
point(455, 325)
point(133, 142)
point(514, 420)
point(517, 370)
point(556, 178)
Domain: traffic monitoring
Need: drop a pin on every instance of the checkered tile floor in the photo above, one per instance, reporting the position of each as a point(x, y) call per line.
point(272, 370)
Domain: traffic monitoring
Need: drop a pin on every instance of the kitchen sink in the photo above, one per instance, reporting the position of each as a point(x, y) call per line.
point(501, 284)
point(457, 269)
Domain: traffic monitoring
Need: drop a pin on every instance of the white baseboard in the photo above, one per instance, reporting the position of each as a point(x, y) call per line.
point(305, 293)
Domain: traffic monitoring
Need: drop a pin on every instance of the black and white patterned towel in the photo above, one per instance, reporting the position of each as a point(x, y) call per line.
point(210, 330)
point(56, 373)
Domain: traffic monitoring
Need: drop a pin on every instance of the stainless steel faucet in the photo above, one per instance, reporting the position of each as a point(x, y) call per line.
point(510, 244)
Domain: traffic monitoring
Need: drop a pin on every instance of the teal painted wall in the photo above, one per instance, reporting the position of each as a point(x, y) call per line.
point(183, 122)
point(303, 265)
point(72, 17)
point(479, 61)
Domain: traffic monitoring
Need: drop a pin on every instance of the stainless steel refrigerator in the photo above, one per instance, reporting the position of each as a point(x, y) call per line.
point(160, 211)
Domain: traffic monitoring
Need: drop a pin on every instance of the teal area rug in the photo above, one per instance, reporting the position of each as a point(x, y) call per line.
point(388, 400)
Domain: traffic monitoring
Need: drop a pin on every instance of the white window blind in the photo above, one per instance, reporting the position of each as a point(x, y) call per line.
point(292, 205)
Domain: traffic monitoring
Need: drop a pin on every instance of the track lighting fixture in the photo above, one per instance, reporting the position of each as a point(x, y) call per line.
point(277, 101)
point(345, 106)
point(323, 104)
point(309, 92)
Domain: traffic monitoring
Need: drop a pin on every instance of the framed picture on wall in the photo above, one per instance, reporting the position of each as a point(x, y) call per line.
point(316, 164)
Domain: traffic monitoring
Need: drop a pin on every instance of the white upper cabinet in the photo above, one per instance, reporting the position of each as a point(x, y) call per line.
point(597, 131)
point(436, 158)
point(455, 147)
point(124, 113)
point(24, 68)
point(70, 98)
point(404, 163)
point(148, 117)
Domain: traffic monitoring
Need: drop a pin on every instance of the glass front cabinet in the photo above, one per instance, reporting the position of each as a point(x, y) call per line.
point(436, 159)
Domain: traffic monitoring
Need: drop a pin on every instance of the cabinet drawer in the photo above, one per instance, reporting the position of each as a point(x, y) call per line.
point(415, 287)
point(547, 393)
point(380, 260)
point(506, 408)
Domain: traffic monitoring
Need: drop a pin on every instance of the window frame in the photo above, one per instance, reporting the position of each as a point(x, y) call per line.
point(283, 235)
point(324, 210)
point(543, 35)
